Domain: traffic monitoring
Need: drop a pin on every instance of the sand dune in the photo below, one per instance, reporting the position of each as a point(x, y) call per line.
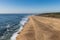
point(40, 28)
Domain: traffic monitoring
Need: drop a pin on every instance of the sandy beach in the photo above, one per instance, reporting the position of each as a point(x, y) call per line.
point(40, 28)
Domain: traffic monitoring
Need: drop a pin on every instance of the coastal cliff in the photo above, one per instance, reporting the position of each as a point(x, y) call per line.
point(40, 28)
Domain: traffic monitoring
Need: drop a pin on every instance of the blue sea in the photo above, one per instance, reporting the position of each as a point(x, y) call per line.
point(10, 24)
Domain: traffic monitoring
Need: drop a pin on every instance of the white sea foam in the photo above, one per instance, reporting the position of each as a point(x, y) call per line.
point(24, 20)
point(8, 26)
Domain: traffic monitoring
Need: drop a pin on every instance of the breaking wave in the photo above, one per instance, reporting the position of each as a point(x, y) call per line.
point(22, 22)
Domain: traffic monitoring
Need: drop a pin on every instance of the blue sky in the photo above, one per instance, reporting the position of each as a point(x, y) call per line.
point(29, 6)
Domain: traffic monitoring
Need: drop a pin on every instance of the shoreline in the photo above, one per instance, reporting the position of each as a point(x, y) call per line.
point(22, 22)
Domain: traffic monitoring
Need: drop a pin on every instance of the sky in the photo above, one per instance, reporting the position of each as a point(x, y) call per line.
point(29, 6)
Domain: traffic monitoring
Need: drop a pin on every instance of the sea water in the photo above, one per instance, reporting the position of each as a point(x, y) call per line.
point(10, 24)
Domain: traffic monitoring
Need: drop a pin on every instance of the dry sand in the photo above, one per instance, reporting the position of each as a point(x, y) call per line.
point(40, 28)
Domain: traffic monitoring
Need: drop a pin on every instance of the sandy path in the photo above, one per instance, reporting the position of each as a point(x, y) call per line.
point(41, 28)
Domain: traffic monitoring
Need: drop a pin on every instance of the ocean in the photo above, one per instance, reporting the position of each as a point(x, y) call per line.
point(10, 24)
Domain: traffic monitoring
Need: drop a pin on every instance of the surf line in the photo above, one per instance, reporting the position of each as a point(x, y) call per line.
point(22, 22)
